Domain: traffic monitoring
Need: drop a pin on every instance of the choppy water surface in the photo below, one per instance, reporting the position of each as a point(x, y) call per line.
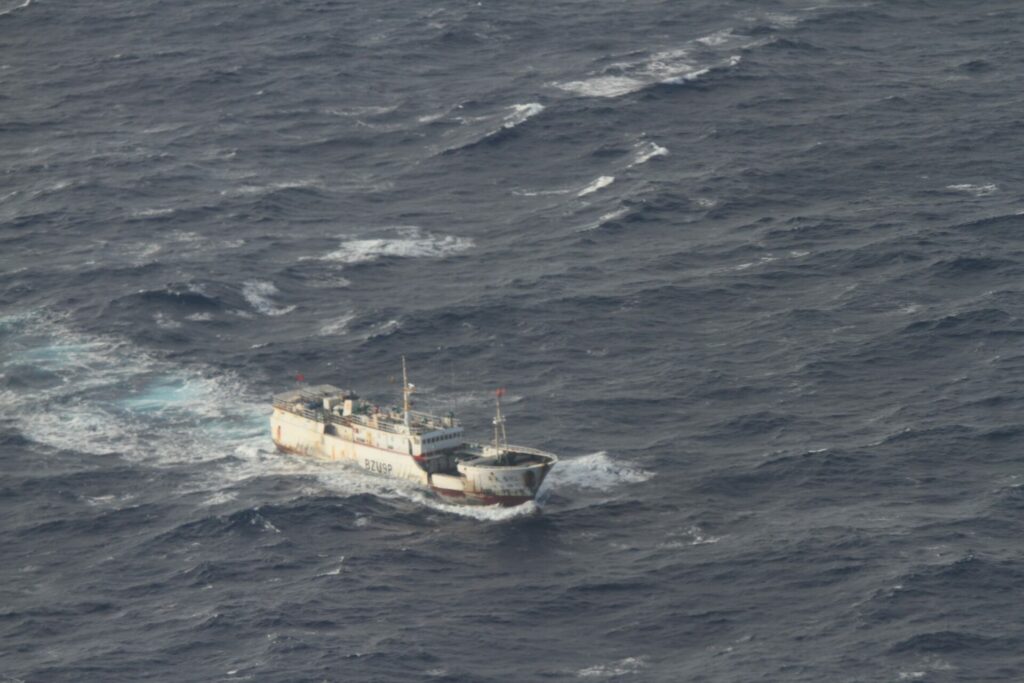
point(754, 270)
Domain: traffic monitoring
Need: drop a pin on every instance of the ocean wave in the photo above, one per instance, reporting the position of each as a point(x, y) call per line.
point(163, 322)
point(383, 329)
point(646, 151)
point(337, 325)
point(153, 213)
point(603, 181)
point(15, 8)
point(595, 471)
point(975, 190)
point(255, 190)
point(671, 67)
point(717, 38)
point(496, 127)
point(622, 667)
point(521, 113)
point(411, 242)
point(539, 193)
point(189, 296)
point(777, 20)
point(605, 219)
point(259, 292)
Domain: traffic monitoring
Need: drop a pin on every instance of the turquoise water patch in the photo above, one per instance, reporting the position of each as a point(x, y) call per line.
point(161, 393)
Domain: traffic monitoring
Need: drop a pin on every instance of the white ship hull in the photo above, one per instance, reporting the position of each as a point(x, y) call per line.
point(481, 479)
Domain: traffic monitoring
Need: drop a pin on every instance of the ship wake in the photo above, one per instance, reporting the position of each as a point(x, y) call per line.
point(103, 396)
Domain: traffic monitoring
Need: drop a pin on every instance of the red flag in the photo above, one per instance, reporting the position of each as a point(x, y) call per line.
point(500, 392)
point(300, 377)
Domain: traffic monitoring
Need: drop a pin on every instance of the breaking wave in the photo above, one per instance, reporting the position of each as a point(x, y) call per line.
point(521, 113)
point(667, 67)
point(976, 190)
point(259, 292)
point(15, 8)
point(595, 471)
point(495, 127)
point(629, 665)
point(410, 242)
point(647, 151)
point(603, 181)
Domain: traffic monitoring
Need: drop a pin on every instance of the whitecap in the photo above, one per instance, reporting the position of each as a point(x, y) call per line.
point(539, 193)
point(258, 293)
point(668, 66)
point(603, 181)
point(362, 111)
point(717, 38)
point(612, 215)
point(383, 329)
point(603, 86)
point(336, 571)
point(248, 190)
point(152, 213)
point(141, 254)
point(760, 262)
point(514, 115)
point(976, 190)
point(647, 151)
point(698, 537)
point(16, 7)
point(409, 243)
point(595, 471)
point(605, 219)
point(336, 326)
point(430, 118)
point(521, 113)
point(779, 20)
point(629, 665)
point(164, 322)
point(220, 498)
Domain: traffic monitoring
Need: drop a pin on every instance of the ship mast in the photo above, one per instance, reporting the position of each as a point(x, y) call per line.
point(500, 437)
point(406, 392)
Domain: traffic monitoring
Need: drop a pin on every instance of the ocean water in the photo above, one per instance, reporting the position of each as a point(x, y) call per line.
point(754, 270)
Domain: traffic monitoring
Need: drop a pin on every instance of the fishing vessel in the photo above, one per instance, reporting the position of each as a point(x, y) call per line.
point(325, 421)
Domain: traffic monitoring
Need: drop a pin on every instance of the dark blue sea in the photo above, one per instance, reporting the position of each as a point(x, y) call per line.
point(754, 270)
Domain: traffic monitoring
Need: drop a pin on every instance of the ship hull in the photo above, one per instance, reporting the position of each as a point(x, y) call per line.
point(462, 498)
point(453, 496)
point(476, 482)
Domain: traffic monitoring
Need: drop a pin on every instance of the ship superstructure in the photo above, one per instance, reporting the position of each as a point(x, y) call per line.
point(326, 421)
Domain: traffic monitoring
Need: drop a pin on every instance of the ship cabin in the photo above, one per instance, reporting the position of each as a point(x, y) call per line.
point(343, 413)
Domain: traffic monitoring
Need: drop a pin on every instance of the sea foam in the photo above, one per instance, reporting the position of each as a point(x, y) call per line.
point(646, 151)
point(259, 292)
point(603, 181)
point(668, 66)
point(409, 243)
point(595, 471)
point(520, 113)
point(976, 190)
